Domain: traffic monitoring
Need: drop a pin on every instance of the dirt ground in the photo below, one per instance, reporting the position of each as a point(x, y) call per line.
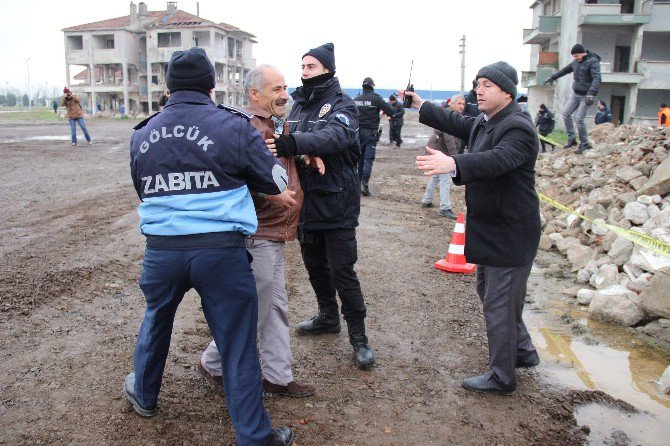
point(70, 308)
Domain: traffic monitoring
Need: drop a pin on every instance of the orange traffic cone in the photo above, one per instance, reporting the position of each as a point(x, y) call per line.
point(455, 261)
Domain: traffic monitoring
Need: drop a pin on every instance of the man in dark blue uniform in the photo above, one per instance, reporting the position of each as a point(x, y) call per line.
point(192, 166)
point(324, 123)
point(396, 121)
point(369, 105)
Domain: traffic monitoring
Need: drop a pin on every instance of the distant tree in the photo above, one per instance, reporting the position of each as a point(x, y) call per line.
point(11, 100)
point(24, 99)
point(3, 99)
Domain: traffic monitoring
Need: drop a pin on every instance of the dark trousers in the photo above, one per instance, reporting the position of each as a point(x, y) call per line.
point(224, 280)
point(329, 258)
point(503, 291)
point(394, 133)
point(543, 142)
point(368, 140)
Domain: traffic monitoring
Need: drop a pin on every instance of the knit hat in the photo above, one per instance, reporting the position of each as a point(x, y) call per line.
point(191, 70)
point(368, 82)
point(502, 74)
point(324, 54)
point(577, 49)
point(66, 90)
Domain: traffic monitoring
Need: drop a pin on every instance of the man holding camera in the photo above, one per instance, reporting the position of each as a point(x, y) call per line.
point(586, 74)
point(75, 114)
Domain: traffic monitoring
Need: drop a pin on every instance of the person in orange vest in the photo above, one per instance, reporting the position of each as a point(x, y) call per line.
point(664, 115)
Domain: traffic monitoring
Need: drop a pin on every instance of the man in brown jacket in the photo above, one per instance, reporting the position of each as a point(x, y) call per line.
point(75, 115)
point(277, 223)
point(449, 145)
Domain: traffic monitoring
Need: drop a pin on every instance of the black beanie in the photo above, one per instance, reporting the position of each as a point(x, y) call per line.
point(191, 70)
point(502, 74)
point(324, 54)
point(577, 49)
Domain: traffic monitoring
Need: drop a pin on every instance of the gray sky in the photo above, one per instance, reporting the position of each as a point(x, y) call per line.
point(371, 38)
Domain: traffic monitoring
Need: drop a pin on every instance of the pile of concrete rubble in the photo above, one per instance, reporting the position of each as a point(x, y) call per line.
point(624, 181)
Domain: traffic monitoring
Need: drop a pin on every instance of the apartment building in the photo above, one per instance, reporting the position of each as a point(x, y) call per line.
point(123, 61)
point(632, 37)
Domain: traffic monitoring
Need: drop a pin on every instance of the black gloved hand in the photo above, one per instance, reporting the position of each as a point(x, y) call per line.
point(549, 81)
point(286, 146)
point(589, 100)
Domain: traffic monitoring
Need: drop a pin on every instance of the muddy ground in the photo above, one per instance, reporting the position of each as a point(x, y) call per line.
point(70, 308)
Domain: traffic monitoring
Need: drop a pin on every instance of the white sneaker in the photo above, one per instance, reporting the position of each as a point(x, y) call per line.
point(74, 143)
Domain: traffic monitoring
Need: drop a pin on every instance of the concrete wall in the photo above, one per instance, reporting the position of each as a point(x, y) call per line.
point(648, 102)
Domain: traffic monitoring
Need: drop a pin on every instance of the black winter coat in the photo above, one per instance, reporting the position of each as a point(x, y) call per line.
point(546, 122)
point(326, 125)
point(586, 74)
point(503, 210)
point(603, 116)
point(369, 103)
point(399, 117)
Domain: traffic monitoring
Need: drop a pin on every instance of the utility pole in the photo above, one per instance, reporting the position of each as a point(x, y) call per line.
point(462, 53)
point(28, 75)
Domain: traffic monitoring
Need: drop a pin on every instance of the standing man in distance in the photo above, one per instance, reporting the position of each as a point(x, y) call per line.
point(503, 219)
point(278, 216)
point(75, 114)
point(324, 123)
point(449, 145)
point(585, 69)
point(396, 121)
point(196, 211)
point(369, 105)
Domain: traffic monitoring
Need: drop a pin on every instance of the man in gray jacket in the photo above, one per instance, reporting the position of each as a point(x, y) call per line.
point(586, 80)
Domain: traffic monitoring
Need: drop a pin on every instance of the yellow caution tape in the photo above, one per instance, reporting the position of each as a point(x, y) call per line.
point(545, 139)
point(652, 244)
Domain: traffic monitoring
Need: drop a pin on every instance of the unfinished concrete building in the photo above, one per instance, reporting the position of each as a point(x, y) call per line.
point(123, 61)
point(630, 36)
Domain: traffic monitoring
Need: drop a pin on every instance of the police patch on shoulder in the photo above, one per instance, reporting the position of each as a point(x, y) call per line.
point(235, 110)
point(343, 119)
point(325, 109)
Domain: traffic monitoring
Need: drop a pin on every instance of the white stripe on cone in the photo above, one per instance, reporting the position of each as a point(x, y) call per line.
point(456, 249)
point(460, 228)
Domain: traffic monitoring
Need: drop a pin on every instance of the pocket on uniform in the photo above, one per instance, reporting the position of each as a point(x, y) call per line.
point(346, 234)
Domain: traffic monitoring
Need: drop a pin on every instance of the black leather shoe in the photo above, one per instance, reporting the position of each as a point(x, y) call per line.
point(129, 393)
point(486, 384)
point(528, 363)
point(449, 214)
point(365, 356)
point(426, 205)
point(570, 143)
point(582, 148)
point(365, 188)
point(319, 324)
point(282, 437)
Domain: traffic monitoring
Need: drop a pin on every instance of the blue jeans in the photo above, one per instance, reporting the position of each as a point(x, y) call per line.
point(368, 142)
point(577, 105)
point(224, 280)
point(444, 180)
point(73, 129)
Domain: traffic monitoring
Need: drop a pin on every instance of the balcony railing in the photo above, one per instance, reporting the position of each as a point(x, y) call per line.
point(609, 14)
point(548, 27)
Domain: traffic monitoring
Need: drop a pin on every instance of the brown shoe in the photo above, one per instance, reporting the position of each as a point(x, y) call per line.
point(214, 382)
point(293, 389)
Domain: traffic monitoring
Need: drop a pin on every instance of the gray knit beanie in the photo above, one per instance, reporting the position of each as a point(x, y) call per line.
point(502, 74)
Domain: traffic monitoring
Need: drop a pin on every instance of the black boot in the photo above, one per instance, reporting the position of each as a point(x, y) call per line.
point(365, 189)
point(365, 356)
point(570, 143)
point(282, 437)
point(319, 324)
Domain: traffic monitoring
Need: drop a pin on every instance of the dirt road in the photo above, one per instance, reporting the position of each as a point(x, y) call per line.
point(70, 309)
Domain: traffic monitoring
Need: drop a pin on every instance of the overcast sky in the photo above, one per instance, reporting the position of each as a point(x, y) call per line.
point(371, 38)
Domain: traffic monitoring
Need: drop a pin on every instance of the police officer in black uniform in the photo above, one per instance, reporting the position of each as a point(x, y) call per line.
point(323, 123)
point(396, 121)
point(369, 104)
point(192, 166)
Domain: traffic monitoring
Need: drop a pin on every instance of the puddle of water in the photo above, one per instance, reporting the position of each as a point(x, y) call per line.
point(584, 354)
point(47, 138)
point(636, 429)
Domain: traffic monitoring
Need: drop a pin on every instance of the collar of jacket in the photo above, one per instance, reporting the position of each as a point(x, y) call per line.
point(187, 96)
point(510, 108)
point(328, 88)
point(258, 112)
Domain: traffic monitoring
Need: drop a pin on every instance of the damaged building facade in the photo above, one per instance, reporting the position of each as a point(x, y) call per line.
point(123, 61)
point(630, 36)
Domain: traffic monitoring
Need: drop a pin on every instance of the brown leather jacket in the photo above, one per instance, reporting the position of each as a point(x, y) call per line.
point(73, 107)
point(278, 225)
point(444, 142)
